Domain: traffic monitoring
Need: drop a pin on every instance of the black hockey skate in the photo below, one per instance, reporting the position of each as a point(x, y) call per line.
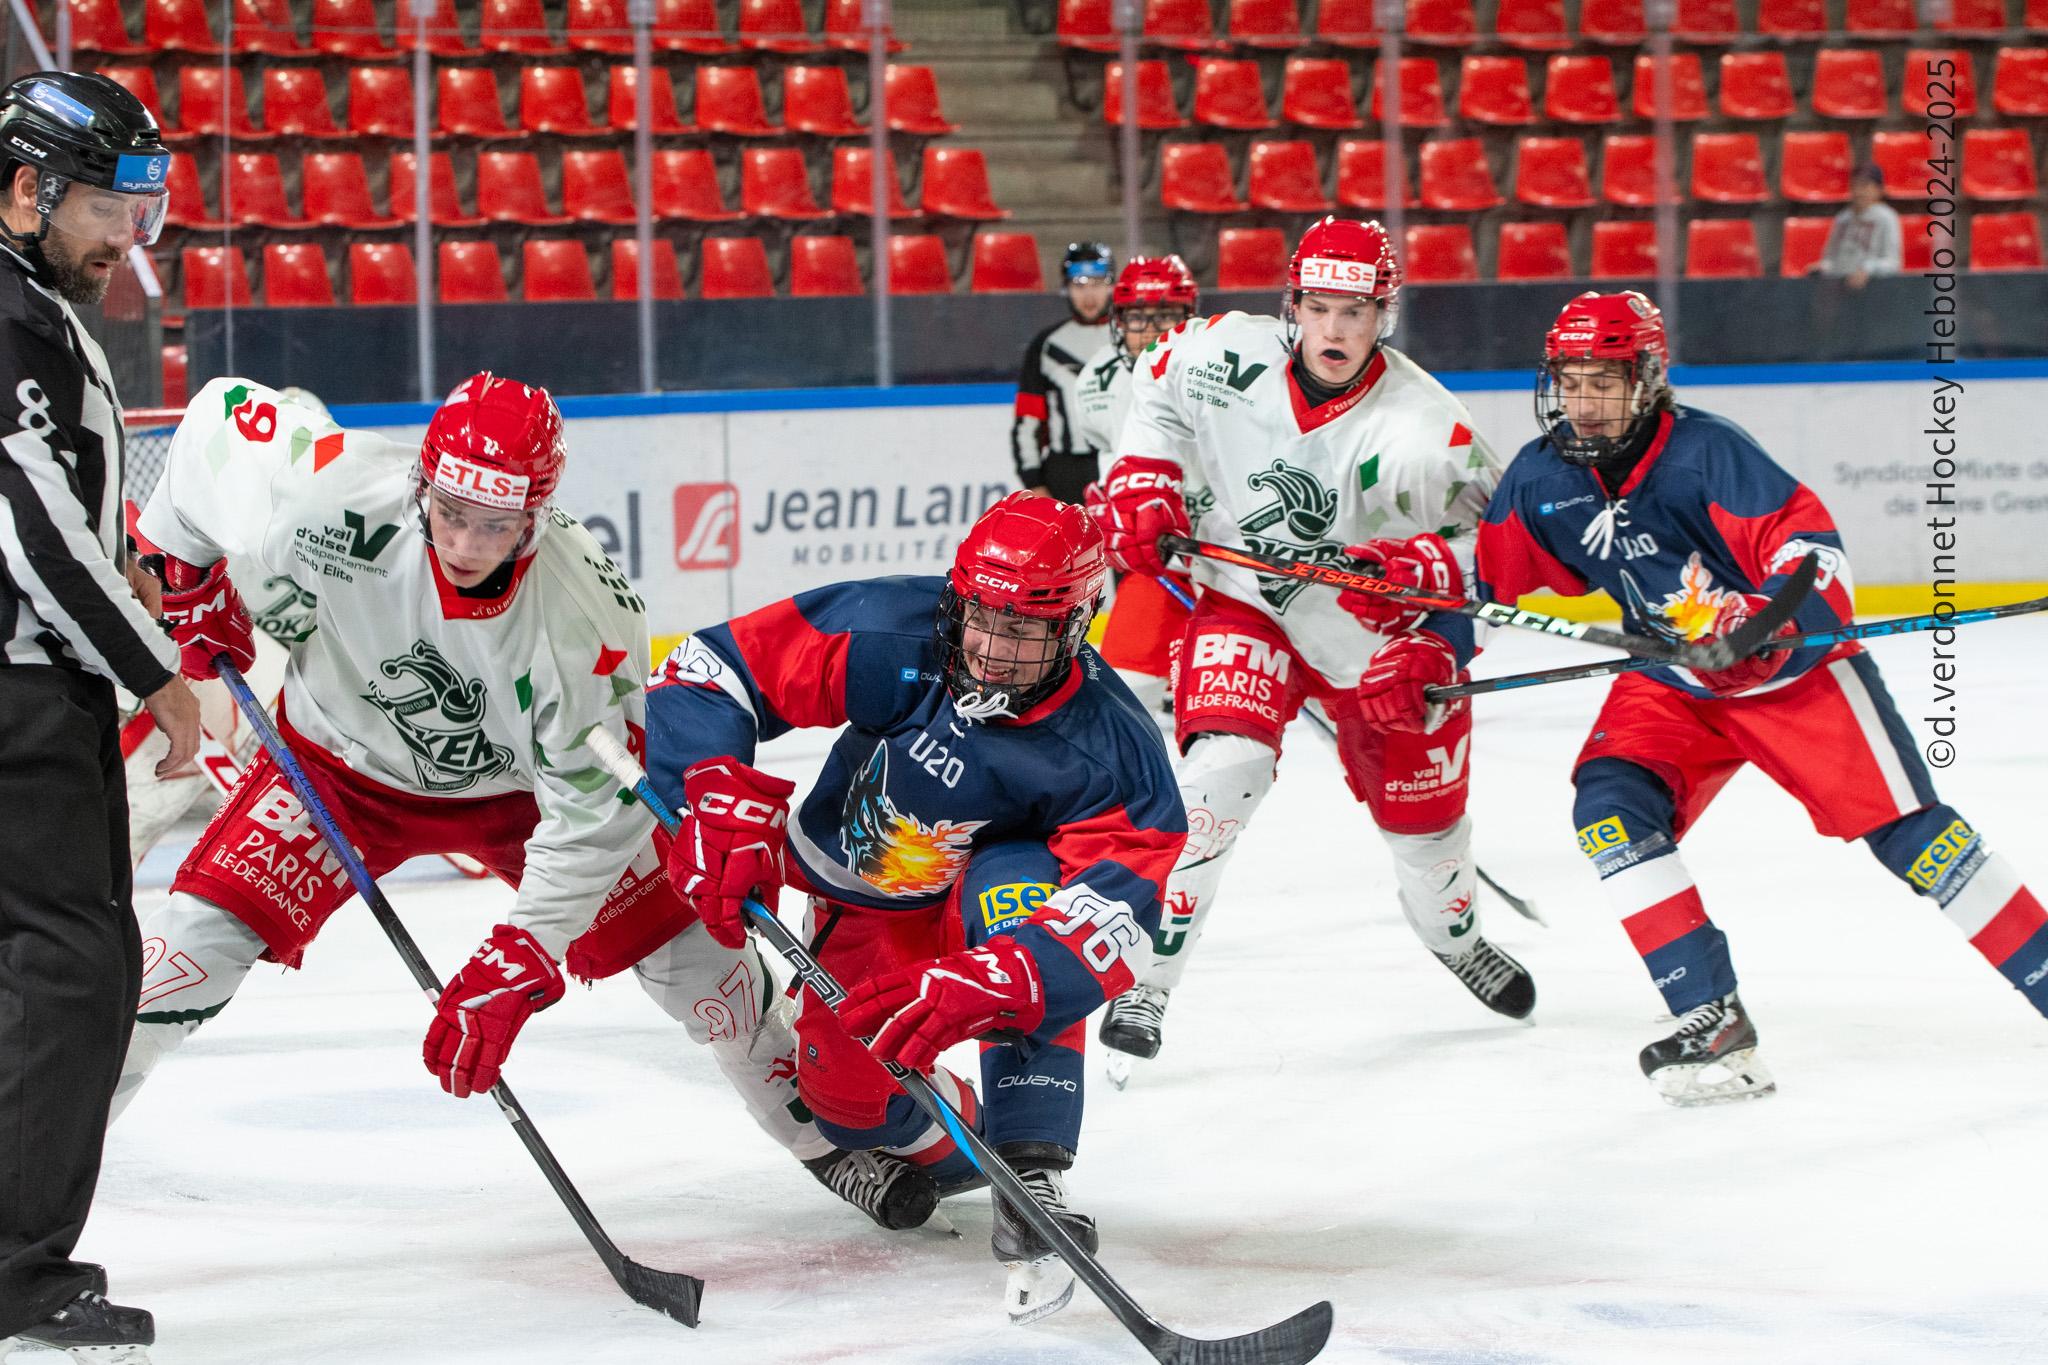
point(1040, 1283)
point(1131, 1030)
point(888, 1189)
point(92, 1330)
point(1499, 982)
point(1711, 1058)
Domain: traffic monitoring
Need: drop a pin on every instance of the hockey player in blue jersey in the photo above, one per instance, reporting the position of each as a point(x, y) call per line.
point(983, 849)
point(1683, 519)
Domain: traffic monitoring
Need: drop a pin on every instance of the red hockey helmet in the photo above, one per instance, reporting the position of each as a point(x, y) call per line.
point(1017, 603)
point(1624, 327)
point(495, 442)
point(1346, 256)
point(1153, 284)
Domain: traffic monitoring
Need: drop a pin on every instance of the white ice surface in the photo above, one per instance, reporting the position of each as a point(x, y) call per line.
point(1332, 1118)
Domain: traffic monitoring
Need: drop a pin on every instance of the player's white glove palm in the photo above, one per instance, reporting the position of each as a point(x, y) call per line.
point(918, 1012)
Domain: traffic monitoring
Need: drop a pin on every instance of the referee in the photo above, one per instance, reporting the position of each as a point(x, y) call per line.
point(83, 172)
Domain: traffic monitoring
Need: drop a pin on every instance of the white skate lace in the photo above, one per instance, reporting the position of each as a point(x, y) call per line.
point(1703, 1019)
point(1486, 970)
point(1142, 1006)
point(862, 1180)
point(1047, 1188)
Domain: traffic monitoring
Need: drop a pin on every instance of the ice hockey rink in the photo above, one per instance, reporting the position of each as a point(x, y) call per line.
point(1332, 1117)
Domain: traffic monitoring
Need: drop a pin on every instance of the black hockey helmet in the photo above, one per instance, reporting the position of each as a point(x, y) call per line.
point(1087, 260)
point(77, 126)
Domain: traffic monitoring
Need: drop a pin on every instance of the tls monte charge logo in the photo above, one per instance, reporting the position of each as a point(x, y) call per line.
point(707, 526)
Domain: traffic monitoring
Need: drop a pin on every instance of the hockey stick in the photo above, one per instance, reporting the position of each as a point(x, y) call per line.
point(1703, 658)
point(1293, 1342)
point(665, 1291)
point(1904, 625)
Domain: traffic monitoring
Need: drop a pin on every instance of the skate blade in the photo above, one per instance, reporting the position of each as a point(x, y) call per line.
point(1738, 1076)
point(940, 1224)
point(1037, 1289)
point(1118, 1069)
point(83, 1355)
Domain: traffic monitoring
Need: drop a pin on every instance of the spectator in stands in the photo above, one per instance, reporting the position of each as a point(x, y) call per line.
point(1865, 239)
point(1050, 458)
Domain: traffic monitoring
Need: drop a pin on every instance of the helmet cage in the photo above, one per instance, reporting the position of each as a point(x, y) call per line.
point(1052, 653)
point(1644, 374)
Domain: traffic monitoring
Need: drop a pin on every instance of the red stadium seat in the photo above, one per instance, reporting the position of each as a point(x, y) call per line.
point(775, 26)
point(255, 191)
point(1688, 88)
point(621, 105)
point(1580, 89)
point(295, 276)
point(1706, 21)
point(2019, 83)
point(1551, 173)
point(1756, 85)
point(734, 268)
point(1628, 171)
point(1495, 90)
point(444, 206)
point(729, 101)
point(1455, 177)
point(471, 272)
point(1722, 248)
point(1804, 19)
point(1156, 109)
point(1902, 157)
point(1804, 242)
point(177, 381)
point(2006, 241)
point(774, 183)
point(690, 26)
point(1284, 178)
point(380, 102)
point(853, 184)
point(1085, 25)
point(2035, 16)
point(1442, 23)
point(911, 98)
point(1728, 168)
point(1006, 263)
point(917, 265)
point(97, 26)
point(552, 100)
point(140, 82)
point(1440, 255)
point(215, 277)
point(295, 103)
point(213, 102)
point(686, 186)
point(1617, 23)
point(516, 26)
point(1624, 251)
point(1251, 258)
point(596, 187)
point(1849, 84)
point(1265, 23)
point(1917, 246)
point(1974, 18)
point(846, 28)
point(824, 267)
point(188, 207)
point(1939, 77)
point(1998, 163)
point(1228, 94)
point(1362, 175)
point(956, 185)
point(382, 274)
point(1534, 251)
point(816, 100)
point(1195, 177)
point(668, 277)
point(1179, 23)
point(1422, 93)
point(1532, 25)
point(336, 191)
point(508, 190)
point(556, 272)
point(1316, 93)
point(443, 35)
point(1880, 18)
point(468, 103)
point(598, 26)
point(177, 26)
point(265, 26)
point(1814, 168)
point(1347, 23)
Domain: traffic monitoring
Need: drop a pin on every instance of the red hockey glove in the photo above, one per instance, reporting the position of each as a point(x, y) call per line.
point(1758, 668)
point(1424, 562)
point(921, 1011)
point(482, 1009)
point(729, 845)
point(1138, 503)
point(206, 617)
point(1390, 694)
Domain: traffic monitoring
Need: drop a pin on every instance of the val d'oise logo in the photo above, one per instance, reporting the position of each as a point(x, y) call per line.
point(441, 720)
point(365, 544)
point(1303, 512)
point(1241, 378)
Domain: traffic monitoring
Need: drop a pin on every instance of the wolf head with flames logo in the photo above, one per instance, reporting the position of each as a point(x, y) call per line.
point(898, 854)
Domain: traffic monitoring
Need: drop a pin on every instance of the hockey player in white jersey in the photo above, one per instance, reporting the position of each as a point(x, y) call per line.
point(1153, 295)
point(1306, 436)
point(467, 637)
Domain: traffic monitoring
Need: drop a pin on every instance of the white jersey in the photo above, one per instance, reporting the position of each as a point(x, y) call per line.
point(402, 679)
point(1394, 457)
point(1102, 398)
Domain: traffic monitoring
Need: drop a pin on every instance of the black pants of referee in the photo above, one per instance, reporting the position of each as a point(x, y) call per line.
point(70, 972)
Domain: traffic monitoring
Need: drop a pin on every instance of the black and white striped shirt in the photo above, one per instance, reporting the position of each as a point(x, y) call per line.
point(64, 600)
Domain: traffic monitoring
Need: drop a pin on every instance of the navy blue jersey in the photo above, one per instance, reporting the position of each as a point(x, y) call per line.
point(1705, 514)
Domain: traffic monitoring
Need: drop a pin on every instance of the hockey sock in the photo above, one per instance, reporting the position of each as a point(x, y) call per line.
point(1625, 817)
point(1438, 883)
point(1223, 778)
point(1034, 1092)
point(1937, 853)
point(194, 957)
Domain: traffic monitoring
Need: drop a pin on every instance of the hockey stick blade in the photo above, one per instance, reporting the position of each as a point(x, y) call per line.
point(1293, 1342)
point(1525, 908)
point(1746, 638)
point(669, 1292)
